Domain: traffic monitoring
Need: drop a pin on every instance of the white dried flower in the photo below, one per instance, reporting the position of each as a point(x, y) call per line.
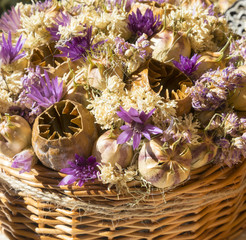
point(115, 84)
point(117, 176)
point(104, 108)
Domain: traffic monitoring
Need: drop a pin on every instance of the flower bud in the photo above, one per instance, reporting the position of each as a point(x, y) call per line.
point(209, 60)
point(107, 151)
point(99, 71)
point(15, 135)
point(203, 153)
point(168, 45)
point(164, 168)
point(24, 160)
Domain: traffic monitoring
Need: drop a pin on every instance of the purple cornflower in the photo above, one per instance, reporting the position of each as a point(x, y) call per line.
point(81, 169)
point(136, 127)
point(187, 65)
point(79, 47)
point(146, 23)
point(24, 160)
point(8, 53)
point(46, 92)
point(63, 20)
point(10, 21)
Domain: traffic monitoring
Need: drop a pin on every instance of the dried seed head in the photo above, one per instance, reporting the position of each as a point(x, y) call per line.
point(61, 131)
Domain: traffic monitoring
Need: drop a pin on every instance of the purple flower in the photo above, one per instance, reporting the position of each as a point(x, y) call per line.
point(121, 3)
point(187, 65)
point(21, 111)
point(211, 10)
point(79, 47)
point(136, 127)
point(24, 160)
point(81, 169)
point(10, 21)
point(43, 6)
point(227, 153)
point(146, 23)
point(212, 88)
point(46, 92)
point(8, 53)
point(63, 20)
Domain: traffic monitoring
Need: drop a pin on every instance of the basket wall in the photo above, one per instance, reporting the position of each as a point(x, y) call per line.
point(211, 205)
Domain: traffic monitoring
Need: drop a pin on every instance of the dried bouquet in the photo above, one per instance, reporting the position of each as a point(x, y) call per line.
point(120, 90)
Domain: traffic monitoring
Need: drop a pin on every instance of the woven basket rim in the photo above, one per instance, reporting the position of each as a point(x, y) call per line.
point(48, 179)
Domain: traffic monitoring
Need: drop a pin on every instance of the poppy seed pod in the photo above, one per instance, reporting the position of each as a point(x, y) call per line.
point(209, 60)
point(203, 153)
point(107, 151)
point(168, 45)
point(15, 135)
point(64, 129)
point(164, 168)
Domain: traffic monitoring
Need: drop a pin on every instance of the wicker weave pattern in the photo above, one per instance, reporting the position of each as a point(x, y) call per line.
point(211, 205)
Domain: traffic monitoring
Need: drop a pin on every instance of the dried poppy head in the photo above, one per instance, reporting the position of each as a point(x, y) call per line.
point(62, 130)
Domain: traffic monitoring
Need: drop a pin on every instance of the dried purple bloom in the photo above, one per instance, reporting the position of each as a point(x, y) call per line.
point(43, 6)
point(228, 153)
point(126, 4)
point(121, 46)
point(20, 111)
point(81, 169)
point(187, 65)
point(137, 126)
point(229, 135)
point(8, 53)
point(211, 10)
point(146, 23)
point(63, 20)
point(32, 77)
point(10, 21)
point(238, 51)
point(46, 92)
point(212, 89)
point(79, 47)
point(24, 160)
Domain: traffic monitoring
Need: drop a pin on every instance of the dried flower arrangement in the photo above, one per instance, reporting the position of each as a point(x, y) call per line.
point(121, 90)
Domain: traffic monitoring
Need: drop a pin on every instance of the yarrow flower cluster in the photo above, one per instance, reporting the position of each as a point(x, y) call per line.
point(81, 169)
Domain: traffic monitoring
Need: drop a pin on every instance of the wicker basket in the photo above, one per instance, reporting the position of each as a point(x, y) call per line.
point(211, 205)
